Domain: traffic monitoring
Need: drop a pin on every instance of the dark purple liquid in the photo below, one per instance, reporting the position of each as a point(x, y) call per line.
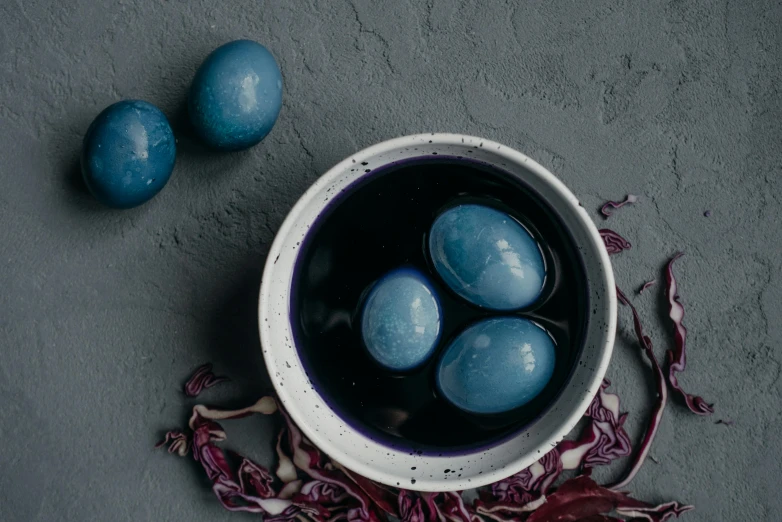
point(381, 224)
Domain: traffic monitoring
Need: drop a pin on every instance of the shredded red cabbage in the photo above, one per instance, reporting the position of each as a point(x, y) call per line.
point(580, 498)
point(329, 492)
point(677, 357)
point(614, 242)
point(657, 513)
point(602, 441)
point(264, 405)
point(528, 484)
point(177, 442)
point(600, 518)
point(647, 285)
point(308, 459)
point(662, 397)
point(726, 422)
point(411, 507)
point(231, 494)
point(448, 507)
point(253, 477)
point(286, 471)
point(608, 208)
point(202, 379)
point(507, 511)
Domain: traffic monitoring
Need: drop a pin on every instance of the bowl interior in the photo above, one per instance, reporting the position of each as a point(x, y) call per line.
point(381, 225)
point(402, 464)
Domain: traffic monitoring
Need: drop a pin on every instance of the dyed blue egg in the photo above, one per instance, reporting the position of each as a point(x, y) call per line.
point(487, 257)
point(128, 154)
point(496, 365)
point(236, 95)
point(400, 320)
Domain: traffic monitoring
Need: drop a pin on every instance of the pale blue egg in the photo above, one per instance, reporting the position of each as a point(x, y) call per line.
point(487, 257)
point(496, 365)
point(400, 320)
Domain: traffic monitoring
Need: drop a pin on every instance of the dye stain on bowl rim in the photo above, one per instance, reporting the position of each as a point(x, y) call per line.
point(379, 224)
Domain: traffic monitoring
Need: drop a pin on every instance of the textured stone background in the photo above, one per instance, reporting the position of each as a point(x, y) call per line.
point(103, 313)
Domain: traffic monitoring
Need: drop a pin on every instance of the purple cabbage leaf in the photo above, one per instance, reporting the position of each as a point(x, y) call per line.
point(610, 206)
point(677, 357)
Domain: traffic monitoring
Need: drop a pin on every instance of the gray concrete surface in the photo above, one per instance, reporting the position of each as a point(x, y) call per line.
point(104, 313)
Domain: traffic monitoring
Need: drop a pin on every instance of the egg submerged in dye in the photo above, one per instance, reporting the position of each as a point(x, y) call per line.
point(401, 320)
point(487, 257)
point(236, 95)
point(496, 365)
point(128, 154)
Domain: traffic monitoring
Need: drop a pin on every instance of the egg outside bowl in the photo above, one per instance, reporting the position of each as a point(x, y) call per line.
point(398, 466)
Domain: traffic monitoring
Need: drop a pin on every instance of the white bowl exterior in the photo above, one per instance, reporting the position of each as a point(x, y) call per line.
point(397, 467)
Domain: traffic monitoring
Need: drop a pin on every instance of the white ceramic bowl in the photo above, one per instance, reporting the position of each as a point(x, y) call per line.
point(397, 467)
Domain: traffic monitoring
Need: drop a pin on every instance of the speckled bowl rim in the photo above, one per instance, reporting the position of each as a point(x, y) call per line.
point(355, 449)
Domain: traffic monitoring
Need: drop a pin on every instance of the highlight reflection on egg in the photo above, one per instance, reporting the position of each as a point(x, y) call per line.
point(487, 257)
point(496, 365)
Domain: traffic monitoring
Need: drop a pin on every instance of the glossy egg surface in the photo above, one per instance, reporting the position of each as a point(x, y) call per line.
point(496, 365)
point(487, 257)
